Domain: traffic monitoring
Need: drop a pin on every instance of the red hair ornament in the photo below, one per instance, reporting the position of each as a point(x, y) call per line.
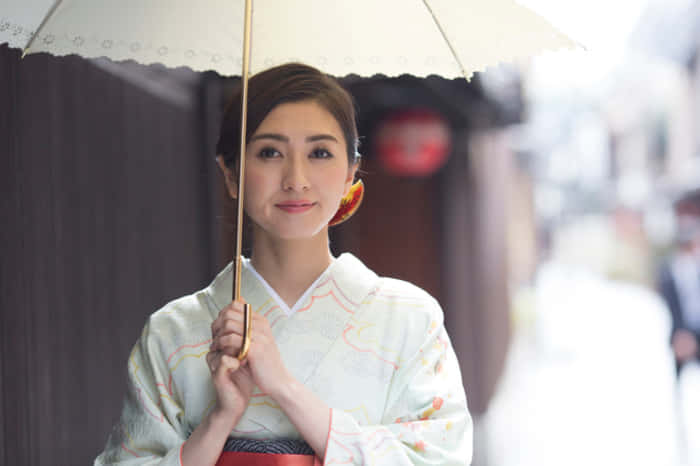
point(349, 204)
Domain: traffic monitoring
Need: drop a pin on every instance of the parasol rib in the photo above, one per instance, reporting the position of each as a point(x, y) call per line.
point(447, 41)
point(41, 26)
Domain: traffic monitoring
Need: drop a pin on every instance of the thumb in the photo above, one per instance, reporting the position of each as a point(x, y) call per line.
point(227, 366)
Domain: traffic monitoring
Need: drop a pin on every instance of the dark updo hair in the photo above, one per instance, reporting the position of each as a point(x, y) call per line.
point(292, 82)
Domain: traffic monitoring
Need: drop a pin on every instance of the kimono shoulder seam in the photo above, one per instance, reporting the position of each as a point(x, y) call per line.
point(397, 290)
point(189, 308)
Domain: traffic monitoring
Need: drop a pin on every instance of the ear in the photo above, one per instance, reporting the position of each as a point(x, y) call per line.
point(229, 177)
point(352, 171)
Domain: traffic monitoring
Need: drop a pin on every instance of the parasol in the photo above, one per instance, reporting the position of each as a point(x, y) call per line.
point(450, 38)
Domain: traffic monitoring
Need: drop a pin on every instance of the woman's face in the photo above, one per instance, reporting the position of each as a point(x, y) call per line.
point(296, 170)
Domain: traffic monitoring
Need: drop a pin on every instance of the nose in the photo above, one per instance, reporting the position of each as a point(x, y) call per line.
point(294, 177)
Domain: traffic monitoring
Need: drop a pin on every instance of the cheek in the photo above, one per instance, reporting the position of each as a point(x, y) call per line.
point(256, 183)
point(333, 182)
point(253, 178)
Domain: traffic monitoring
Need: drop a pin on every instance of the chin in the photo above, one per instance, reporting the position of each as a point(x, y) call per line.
point(296, 232)
point(300, 235)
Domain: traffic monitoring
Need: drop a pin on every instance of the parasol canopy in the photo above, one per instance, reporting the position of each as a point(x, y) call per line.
point(450, 38)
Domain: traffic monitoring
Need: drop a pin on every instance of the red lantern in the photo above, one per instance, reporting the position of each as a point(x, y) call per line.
point(413, 142)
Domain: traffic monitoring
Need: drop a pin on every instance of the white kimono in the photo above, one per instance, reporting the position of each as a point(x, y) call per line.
point(373, 349)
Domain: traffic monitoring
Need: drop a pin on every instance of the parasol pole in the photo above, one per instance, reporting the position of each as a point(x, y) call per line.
point(245, 345)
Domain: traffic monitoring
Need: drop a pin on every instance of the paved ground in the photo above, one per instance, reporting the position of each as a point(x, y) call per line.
point(590, 380)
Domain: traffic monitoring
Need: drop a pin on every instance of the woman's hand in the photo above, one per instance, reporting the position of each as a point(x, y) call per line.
point(232, 381)
point(263, 360)
point(309, 414)
point(234, 386)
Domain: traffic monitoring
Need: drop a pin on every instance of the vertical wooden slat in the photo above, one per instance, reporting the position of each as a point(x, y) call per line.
point(13, 280)
point(475, 255)
point(36, 138)
point(102, 223)
point(458, 250)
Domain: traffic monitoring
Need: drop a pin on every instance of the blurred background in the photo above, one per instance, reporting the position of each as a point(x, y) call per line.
point(552, 207)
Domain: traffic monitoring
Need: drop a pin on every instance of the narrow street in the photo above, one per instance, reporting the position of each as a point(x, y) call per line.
point(590, 379)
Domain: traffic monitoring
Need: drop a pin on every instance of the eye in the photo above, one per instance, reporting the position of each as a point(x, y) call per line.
point(321, 153)
point(268, 153)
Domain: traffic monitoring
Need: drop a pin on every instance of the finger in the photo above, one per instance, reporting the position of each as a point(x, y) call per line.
point(213, 359)
point(233, 324)
point(243, 377)
point(224, 315)
point(229, 344)
point(229, 306)
point(233, 306)
point(215, 325)
point(229, 312)
point(227, 365)
point(219, 318)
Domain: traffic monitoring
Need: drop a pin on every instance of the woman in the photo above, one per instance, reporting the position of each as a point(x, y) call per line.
point(357, 366)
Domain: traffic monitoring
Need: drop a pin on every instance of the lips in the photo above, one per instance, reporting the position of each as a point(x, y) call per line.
point(295, 207)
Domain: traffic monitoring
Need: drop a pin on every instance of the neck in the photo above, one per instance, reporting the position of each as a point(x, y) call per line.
point(290, 266)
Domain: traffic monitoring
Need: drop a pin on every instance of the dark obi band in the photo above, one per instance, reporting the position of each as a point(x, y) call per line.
point(281, 452)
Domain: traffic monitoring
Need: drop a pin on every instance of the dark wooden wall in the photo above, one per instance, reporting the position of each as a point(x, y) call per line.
point(105, 215)
point(396, 231)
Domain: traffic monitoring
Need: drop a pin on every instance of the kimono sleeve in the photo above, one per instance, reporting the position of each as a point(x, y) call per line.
point(149, 431)
point(426, 421)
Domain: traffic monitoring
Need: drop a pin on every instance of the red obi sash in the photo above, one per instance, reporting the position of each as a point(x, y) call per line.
point(239, 458)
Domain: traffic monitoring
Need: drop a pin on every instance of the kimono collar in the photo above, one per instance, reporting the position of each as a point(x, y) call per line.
point(350, 275)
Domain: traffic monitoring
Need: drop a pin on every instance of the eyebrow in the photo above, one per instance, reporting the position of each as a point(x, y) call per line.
point(282, 138)
point(321, 137)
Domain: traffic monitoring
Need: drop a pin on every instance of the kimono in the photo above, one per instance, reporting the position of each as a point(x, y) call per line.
point(374, 349)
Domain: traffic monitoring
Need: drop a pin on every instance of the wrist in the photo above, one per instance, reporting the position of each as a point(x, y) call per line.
point(286, 391)
point(222, 421)
point(206, 442)
point(309, 414)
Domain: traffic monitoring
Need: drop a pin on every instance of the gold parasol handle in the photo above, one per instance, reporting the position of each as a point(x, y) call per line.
point(245, 345)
